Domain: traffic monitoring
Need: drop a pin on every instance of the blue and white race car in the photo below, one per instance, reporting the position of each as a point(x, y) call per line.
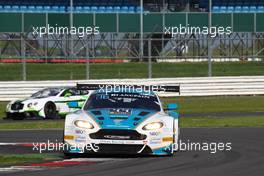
point(121, 122)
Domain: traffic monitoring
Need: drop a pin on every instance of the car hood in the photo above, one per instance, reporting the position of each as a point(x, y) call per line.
point(120, 118)
point(25, 101)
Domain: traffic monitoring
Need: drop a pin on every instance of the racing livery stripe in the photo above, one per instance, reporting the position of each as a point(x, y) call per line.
point(67, 101)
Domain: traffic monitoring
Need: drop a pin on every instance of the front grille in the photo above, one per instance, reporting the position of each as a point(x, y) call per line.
point(118, 135)
point(17, 106)
point(123, 149)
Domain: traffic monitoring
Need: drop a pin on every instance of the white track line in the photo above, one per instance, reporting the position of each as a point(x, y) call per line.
point(17, 143)
point(19, 168)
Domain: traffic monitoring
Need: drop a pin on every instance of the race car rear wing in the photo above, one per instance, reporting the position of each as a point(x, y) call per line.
point(154, 88)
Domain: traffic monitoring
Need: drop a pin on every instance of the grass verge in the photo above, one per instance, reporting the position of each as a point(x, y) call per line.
point(2, 109)
point(216, 104)
point(222, 122)
point(51, 124)
point(9, 72)
point(188, 105)
point(7, 160)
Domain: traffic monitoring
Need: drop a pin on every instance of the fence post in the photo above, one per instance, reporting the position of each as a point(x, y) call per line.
point(87, 62)
point(209, 43)
point(23, 50)
point(149, 59)
point(141, 31)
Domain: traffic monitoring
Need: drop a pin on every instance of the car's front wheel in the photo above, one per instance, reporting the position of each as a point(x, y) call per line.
point(20, 116)
point(69, 155)
point(50, 110)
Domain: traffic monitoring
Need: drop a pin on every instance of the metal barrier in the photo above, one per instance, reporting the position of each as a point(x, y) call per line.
point(197, 86)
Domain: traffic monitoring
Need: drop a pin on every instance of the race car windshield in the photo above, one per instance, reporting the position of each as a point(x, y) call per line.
point(123, 100)
point(46, 93)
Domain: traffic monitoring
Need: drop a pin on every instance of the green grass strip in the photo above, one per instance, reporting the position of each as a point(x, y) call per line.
point(223, 122)
point(33, 125)
point(7, 160)
point(71, 71)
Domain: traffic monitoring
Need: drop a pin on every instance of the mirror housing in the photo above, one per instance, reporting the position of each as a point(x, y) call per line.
point(73, 104)
point(173, 114)
point(172, 107)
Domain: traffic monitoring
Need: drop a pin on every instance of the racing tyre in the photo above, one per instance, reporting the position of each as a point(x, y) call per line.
point(69, 155)
point(8, 116)
point(18, 117)
point(50, 111)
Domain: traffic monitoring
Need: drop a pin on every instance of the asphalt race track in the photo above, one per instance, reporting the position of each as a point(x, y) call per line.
point(246, 157)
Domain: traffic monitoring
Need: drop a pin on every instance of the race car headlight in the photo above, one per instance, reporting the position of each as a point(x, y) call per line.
point(32, 104)
point(83, 124)
point(153, 126)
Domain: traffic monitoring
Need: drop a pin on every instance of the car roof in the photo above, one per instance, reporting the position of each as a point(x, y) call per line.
point(59, 87)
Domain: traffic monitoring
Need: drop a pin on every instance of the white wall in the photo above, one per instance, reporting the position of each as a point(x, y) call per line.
point(198, 86)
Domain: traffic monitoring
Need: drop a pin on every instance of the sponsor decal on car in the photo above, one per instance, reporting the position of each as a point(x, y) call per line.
point(79, 131)
point(119, 142)
point(80, 137)
point(155, 141)
point(116, 137)
point(68, 137)
point(154, 133)
point(167, 139)
point(120, 111)
point(80, 140)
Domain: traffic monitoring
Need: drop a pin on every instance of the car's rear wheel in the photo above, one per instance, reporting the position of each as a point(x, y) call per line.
point(50, 111)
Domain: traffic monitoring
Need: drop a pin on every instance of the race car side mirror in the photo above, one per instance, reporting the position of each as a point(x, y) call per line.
point(73, 104)
point(172, 107)
point(173, 114)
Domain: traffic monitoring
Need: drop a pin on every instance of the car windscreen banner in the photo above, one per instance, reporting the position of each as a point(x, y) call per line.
point(154, 88)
